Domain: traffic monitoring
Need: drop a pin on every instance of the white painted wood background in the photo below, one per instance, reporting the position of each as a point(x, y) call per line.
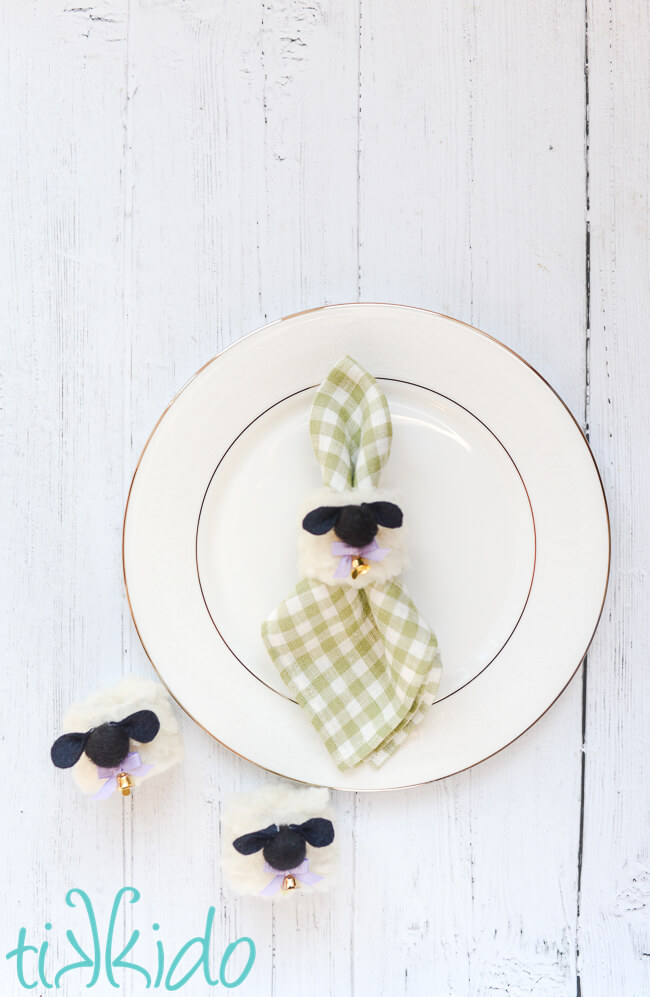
point(174, 174)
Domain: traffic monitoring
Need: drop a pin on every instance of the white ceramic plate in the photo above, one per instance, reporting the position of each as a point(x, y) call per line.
point(508, 527)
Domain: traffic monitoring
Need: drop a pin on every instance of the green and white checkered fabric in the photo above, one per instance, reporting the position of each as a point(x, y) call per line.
point(350, 427)
point(362, 663)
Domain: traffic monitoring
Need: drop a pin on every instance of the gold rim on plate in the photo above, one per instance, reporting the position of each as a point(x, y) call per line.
point(589, 451)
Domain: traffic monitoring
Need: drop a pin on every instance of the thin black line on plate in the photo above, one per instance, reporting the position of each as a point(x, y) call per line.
point(524, 363)
point(394, 380)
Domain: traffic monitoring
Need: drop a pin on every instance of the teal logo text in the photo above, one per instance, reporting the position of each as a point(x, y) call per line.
point(102, 959)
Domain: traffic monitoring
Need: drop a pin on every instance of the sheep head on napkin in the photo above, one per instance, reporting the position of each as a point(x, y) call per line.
point(349, 642)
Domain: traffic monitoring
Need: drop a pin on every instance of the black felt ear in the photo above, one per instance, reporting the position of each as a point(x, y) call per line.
point(141, 726)
point(68, 749)
point(317, 831)
point(255, 841)
point(321, 520)
point(387, 514)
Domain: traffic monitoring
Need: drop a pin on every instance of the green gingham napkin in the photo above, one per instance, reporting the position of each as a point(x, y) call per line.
point(361, 662)
point(350, 427)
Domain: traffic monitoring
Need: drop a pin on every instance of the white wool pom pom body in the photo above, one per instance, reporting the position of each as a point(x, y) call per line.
point(249, 812)
point(315, 557)
point(113, 704)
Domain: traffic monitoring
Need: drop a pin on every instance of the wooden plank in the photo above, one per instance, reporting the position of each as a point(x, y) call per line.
point(614, 929)
point(178, 173)
point(242, 158)
point(472, 203)
point(62, 391)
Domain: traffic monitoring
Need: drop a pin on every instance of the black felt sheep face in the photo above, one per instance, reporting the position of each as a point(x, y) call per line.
point(285, 846)
point(356, 525)
point(352, 542)
point(108, 746)
point(118, 736)
point(295, 849)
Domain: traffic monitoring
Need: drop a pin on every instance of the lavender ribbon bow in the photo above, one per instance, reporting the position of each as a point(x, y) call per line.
point(131, 764)
point(301, 872)
point(372, 552)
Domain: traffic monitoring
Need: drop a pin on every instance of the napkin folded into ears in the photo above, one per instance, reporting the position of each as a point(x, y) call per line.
point(348, 642)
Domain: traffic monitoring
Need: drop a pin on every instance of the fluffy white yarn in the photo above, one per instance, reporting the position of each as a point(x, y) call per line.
point(279, 804)
point(315, 553)
point(127, 696)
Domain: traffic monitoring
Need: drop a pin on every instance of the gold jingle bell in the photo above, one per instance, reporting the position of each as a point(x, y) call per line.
point(359, 567)
point(289, 883)
point(124, 783)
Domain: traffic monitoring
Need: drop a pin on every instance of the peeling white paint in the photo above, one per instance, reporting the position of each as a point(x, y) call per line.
point(174, 174)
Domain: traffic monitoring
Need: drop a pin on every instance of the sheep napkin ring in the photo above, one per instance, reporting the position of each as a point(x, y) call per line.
point(349, 642)
point(114, 742)
point(281, 823)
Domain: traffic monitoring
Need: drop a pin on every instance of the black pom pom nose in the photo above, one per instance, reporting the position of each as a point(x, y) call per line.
point(286, 850)
point(108, 745)
point(356, 525)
